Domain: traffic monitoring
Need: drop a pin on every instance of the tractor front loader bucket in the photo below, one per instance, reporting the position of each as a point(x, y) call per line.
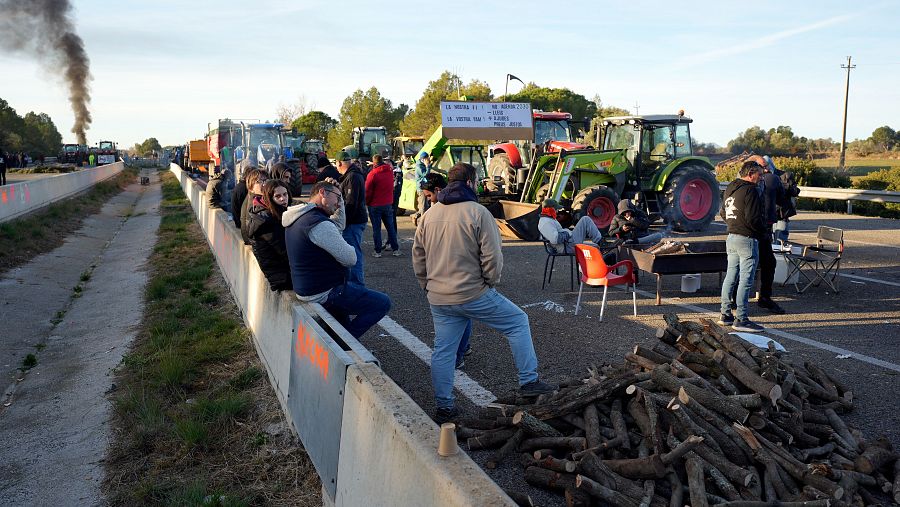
point(517, 219)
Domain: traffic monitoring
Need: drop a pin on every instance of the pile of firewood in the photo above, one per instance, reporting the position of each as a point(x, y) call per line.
point(701, 418)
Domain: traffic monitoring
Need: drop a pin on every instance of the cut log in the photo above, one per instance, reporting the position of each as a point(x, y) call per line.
point(641, 361)
point(748, 401)
point(521, 499)
point(591, 426)
point(557, 465)
point(748, 378)
point(593, 467)
point(618, 423)
point(533, 444)
point(653, 466)
point(602, 492)
point(873, 458)
point(838, 424)
point(576, 399)
point(548, 479)
point(506, 450)
point(534, 427)
point(676, 488)
point(665, 349)
point(666, 336)
point(759, 503)
point(647, 353)
point(709, 399)
point(696, 482)
point(577, 498)
point(490, 439)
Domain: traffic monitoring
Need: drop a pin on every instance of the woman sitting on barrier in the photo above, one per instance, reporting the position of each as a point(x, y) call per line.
point(267, 234)
point(255, 181)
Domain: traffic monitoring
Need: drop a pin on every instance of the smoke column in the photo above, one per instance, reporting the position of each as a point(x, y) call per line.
point(44, 28)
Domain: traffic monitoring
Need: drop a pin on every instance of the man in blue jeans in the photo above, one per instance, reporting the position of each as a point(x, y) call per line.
point(320, 259)
point(457, 260)
point(742, 210)
point(353, 187)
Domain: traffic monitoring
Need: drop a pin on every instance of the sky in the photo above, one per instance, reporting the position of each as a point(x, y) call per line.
point(167, 68)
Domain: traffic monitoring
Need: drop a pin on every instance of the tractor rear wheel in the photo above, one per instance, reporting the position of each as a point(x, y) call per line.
point(502, 167)
point(296, 174)
point(597, 202)
point(691, 199)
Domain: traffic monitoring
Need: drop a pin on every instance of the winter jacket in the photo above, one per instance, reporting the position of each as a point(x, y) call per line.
point(772, 194)
point(786, 208)
point(422, 171)
point(457, 253)
point(353, 186)
point(639, 222)
point(267, 239)
point(217, 191)
point(380, 186)
point(245, 217)
point(238, 196)
point(319, 256)
point(742, 209)
point(328, 171)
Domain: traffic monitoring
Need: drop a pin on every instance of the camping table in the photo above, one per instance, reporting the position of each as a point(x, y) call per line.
point(702, 257)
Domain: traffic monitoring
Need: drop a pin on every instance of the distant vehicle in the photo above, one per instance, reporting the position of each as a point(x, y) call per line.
point(106, 152)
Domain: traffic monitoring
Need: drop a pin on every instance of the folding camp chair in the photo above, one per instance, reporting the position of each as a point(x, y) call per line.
point(823, 259)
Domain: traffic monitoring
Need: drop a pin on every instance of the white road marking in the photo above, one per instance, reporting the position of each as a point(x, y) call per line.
point(857, 277)
point(463, 383)
point(790, 336)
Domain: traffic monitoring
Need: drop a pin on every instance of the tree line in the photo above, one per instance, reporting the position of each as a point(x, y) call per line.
point(782, 141)
point(35, 134)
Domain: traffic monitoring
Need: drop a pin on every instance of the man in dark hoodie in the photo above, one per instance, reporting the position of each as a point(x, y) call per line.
point(217, 194)
point(457, 260)
point(320, 259)
point(353, 186)
point(631, 224)
point(773, 195)
point(742, 211)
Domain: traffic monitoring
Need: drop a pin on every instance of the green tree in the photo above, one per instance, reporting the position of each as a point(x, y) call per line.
point(147, 147)
point(11, 128)
point(365, 109)
point(315, 124)
point(884, 137)
point(551, 99)
point(425, 117)
point(753, 139)
point(41, 135)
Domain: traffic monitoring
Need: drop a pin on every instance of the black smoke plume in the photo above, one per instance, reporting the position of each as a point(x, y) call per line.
point(44, 28)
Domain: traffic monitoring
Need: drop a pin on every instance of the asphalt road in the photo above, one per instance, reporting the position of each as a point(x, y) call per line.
point(862, 321)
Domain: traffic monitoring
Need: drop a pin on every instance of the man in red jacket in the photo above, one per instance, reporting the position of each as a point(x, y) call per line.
point(380, 200)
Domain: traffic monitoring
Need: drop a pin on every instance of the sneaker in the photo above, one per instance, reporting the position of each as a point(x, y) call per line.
point(377, 255)
point(397, 253)
point(770, 305)
point(461, 363)
point(443, 415)
point(536, 387)
point(747, 326)
point(726, 320)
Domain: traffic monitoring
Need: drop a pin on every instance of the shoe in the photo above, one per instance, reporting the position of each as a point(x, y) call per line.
point(770, 305)
point(726, 320)
point(377, 255)
point(397, 253)
point(536, 387)
point(461, 363)
point(443, 415)
point(468, 350)
point(747, 326)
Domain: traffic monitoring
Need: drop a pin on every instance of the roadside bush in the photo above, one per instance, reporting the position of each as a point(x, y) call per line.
point(885, 179)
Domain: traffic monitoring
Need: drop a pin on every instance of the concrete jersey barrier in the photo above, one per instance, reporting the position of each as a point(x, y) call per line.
point(370, 443)
point(19, 199)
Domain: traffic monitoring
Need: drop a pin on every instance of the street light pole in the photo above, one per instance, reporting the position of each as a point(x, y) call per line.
point(846, 96)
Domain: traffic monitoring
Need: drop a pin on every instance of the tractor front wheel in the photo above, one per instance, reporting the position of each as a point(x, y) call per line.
point(691, 199)
point(502, 167)
point(597, 202)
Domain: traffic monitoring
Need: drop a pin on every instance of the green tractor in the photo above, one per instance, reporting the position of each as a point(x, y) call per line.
point(368, 142)
point(645, 158)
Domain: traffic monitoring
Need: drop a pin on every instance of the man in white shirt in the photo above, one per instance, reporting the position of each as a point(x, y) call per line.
point(562, 238)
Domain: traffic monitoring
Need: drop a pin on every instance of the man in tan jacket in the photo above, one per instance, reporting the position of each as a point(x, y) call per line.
point(457, 259)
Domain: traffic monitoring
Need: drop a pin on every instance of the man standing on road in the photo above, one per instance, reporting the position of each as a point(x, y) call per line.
point(353, 186)
point(3, 157)
point(742, 212)
point(423, 168)
point(772, 195)
point(457, 260)
point(379, 198)
point(320, 259)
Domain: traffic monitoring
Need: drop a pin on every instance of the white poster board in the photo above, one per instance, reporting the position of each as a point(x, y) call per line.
point(486, 120)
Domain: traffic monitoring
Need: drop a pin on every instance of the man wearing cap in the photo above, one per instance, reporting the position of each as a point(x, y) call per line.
point(423, 168)
point(560, 237)
point(457, 259)
point(353, 187)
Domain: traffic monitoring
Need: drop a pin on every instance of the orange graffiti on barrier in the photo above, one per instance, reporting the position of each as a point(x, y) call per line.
point(3, 196)
point(307, 347)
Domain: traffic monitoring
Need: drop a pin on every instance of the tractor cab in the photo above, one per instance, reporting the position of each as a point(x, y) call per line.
point(650, 142)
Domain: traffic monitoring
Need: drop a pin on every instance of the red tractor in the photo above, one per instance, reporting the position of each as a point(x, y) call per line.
point(553, 130)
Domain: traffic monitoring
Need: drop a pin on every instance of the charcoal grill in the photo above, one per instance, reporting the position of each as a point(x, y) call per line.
point(701, 257)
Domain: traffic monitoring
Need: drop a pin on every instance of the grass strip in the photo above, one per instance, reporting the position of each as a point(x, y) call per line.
point(42, 231)
point(197, 422)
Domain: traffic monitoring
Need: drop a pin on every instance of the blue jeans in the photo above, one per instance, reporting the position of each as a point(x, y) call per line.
point(782, 229)
point(464, 342)
point(353, 234)
point(743, 257)
point(383, 215)
point(450, 323)
point(366, 306)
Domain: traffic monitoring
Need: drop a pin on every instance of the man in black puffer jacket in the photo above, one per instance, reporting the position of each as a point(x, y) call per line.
point(353, 186)
point(742, 210)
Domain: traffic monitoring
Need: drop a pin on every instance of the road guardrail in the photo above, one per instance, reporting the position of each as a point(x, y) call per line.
point(845, 194)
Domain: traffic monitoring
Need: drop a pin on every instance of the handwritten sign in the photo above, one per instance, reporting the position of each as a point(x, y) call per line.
point(486, 120)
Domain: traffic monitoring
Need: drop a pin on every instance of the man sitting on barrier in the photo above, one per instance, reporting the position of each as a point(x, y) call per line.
point(320, 261)
point(457, 259)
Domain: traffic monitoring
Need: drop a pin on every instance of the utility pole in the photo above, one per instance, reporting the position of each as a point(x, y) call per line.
point(846, 96)
point(637, 109)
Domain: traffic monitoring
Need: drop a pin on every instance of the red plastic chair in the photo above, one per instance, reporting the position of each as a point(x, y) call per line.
point(595, 272)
